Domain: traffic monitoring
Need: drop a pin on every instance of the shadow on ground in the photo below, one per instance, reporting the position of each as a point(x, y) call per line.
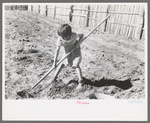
point(126, 84)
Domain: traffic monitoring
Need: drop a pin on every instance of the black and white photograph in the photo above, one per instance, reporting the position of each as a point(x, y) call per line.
point(80, 52)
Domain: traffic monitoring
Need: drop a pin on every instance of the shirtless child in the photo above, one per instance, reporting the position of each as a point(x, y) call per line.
point(69, 40)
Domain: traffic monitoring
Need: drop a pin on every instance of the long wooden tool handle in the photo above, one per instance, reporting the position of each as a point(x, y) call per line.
point(68, 54)
point(42, 78)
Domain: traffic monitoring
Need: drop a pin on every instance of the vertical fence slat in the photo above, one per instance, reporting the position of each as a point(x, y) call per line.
point(107, 10)
point(32, 8)
point(125, 20)
point(71, 12)
point(54, 11)
point(87, 18)
point(39, 9)
point(46, 11)
point(29, 7)
point(116, 27)
point(135, 21)
point(142, 36)
point(113, 20)
point(129, 19)
point(140, 23)
point(132, 20)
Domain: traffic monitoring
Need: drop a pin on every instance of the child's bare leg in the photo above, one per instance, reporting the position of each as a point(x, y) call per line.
point(60, 66)
point(79, 73)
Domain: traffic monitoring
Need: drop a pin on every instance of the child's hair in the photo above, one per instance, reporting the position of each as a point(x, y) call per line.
point(64, 30)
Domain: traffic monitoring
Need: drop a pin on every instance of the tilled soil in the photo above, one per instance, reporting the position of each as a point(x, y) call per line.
point(112, 65)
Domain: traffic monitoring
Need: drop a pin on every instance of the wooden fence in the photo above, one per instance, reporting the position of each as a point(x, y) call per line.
point(16, 7)
point(126, 20)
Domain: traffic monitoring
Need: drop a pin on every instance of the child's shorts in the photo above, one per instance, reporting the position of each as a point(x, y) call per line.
point(75, 63)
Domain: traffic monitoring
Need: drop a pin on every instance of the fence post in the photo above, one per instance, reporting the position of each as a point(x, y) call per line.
point(107, 12)
point(27, 7)
point(38, 8)
point(140, 23)
point(88, 15)
point(143, 25)
point(16, 7)
point(46, 11)
point(54, 12)
point(71, 12)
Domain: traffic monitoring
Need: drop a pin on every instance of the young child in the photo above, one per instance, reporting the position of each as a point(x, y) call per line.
point(69, 40)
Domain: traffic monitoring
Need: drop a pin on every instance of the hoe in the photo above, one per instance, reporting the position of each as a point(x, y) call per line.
point(25, 93)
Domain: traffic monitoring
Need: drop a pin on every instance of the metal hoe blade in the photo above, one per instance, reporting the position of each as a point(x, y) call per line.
point(24, 94)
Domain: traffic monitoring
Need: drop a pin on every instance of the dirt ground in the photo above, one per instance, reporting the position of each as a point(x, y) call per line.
point(111, 65)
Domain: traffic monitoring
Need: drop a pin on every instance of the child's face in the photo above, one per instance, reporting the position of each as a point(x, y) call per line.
point(68, 37)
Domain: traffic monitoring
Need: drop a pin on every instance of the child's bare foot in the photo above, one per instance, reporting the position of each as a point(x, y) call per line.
point(79, 87)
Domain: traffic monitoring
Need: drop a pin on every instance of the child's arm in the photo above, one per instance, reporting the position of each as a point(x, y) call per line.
point(56, 55)
point(80, 36)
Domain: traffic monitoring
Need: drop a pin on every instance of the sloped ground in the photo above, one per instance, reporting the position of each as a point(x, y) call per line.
point(112, 65)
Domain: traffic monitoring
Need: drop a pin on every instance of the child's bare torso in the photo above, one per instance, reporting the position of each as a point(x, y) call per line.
point(74, 58)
